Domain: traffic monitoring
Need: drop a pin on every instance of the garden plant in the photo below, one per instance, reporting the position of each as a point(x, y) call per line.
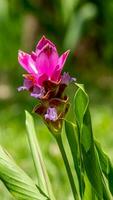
point(44, 80)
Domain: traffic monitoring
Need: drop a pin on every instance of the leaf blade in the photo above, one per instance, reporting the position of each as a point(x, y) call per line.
point(43, 178)
point(106, 165)
point(73, 144)
point(19, 184)
point(90, 157)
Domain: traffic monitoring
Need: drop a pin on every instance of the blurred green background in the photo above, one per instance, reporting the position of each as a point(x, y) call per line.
point(85, 27)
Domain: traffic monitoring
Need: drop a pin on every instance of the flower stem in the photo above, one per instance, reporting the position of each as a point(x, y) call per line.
point(67, 166)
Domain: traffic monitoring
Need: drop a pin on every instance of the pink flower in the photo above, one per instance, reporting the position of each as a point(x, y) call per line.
point(44, 82)
point(43, 64)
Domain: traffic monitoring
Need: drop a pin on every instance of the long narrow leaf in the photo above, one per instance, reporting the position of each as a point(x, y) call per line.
point(16, 180)
point(106, 166)
point(43, 179)
point(89, 193)
point(73, 143)
point(90, 157)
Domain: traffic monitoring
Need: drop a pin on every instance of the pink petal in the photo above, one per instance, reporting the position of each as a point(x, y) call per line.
point(42, 42)
point(53, 59)
point(56, 75)
point(42, 78)
point(57, 71)
point(47, 60)
point(33, 56)
point(27, 62)
point(42, 63)
point(63, 59)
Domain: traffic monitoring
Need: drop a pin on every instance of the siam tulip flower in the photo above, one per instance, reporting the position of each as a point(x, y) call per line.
point(45, 82)
point(42, 65)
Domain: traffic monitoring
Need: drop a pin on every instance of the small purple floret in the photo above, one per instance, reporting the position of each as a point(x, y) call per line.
point(21, 88)
point(26, 85)
point(38, 92)
point(51, 114)
point(66, 78)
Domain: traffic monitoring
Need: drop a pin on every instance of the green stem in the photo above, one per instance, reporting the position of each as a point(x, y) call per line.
point(67, 166)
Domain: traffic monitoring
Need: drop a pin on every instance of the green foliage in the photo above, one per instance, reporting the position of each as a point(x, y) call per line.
point(42, 176)
point(93, 167)
point(90, 156)
point(73, 143)
point(68, 23)
point(16, 180)
point(106, 166)
point(89, 193)
point(74, 147)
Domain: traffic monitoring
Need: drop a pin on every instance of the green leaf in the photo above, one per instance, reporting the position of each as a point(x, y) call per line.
point(83, 117)
point(16, 180)
point(89, 193)
point(90, 157)
point(42, 176)
point(81, 102)
point(73, 144)
point(104, 160)
point(106, 165)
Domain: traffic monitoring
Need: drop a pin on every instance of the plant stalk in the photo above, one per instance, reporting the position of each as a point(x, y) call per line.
point(67, 166)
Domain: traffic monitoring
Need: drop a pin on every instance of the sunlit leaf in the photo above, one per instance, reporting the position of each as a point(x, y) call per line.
point(89, 193)
point(90, 156)
point(72, 140)
point(16, 180)
point(106, 165)
point(42, 176)
point(83, 117)
point(73, 143)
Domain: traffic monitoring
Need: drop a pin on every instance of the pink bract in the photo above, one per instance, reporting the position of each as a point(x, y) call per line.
point(43, 64)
